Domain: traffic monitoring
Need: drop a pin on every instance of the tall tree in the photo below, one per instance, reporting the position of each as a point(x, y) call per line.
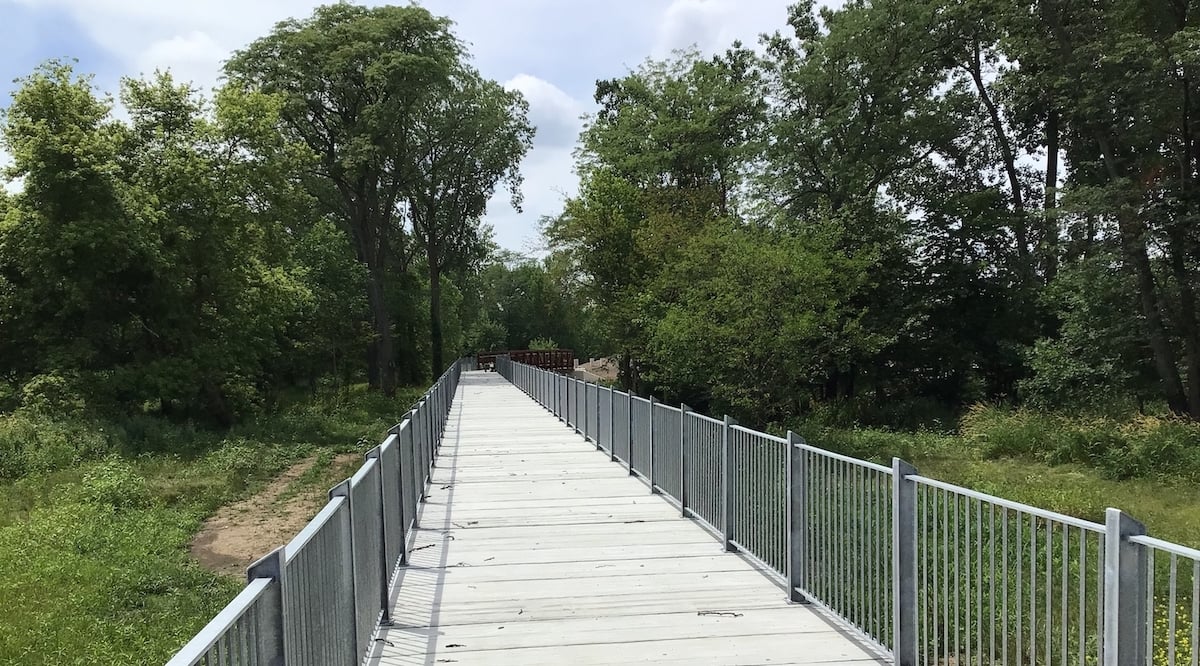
point(467, 143)
point(353, 81)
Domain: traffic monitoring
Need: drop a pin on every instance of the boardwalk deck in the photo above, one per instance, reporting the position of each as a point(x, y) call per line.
point(535, 549)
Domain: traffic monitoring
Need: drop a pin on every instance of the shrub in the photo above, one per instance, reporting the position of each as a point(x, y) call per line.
point(34, 443)
point(114, 482)
point(53, 394)
point(1146, 446)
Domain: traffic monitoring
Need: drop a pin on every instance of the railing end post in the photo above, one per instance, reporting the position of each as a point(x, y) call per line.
point(1126, 582)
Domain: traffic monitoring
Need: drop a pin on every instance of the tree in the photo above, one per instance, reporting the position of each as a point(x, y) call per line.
point(352, 81)
point(468, 142)
point(143, 259)
point(666, 156)
point(1122, 74)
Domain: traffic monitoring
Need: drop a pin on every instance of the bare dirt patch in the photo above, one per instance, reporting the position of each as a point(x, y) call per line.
point(240, 533)
point(604, 369)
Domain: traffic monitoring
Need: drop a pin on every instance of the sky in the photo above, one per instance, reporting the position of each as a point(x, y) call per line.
point(553, 51)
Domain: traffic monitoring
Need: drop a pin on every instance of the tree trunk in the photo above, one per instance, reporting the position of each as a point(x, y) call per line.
point(1179, 249)
point(217, 406)
point(1020, 225)
point(1049, 240)
point(384, 357)
point(627, 371)
point(1189, 327)
point(435, 313)
point(1133, 243)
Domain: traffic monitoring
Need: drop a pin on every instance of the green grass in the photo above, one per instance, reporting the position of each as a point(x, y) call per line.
point(1076, 465)
point(96, 517)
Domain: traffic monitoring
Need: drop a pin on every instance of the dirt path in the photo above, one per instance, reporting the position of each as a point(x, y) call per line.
point(240, 533)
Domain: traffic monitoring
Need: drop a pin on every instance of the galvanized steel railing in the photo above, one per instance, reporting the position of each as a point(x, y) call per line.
point(320, 599)
point(929, 572)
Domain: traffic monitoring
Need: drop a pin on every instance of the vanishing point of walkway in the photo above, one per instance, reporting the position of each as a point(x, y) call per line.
point(534, 549)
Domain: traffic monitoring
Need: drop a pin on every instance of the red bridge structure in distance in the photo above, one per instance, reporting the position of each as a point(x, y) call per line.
point(554, 360)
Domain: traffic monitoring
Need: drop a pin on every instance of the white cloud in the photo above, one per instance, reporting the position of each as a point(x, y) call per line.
point(556, 114)
point(190, 57)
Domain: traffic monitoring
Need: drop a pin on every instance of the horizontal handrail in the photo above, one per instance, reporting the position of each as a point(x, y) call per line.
point(1166, 546)
point(846, 459)
point(1009, 504)
point(762, 435)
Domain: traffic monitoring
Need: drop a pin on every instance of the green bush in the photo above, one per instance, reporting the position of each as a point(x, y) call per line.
point(53, 394)
point(32, 443)
point(115, 483)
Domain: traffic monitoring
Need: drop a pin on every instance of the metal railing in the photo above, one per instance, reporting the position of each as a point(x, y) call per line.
point(929, 572)
point(320, 599)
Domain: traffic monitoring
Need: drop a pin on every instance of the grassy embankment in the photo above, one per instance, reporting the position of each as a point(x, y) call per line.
point(96, 518)
point(1077, 465)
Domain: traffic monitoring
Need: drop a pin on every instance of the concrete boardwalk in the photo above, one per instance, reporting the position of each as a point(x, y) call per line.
point(534, 549)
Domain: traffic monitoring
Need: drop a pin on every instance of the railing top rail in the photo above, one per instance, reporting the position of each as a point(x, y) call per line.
point(665, 407)
point(363, 471)
point(1009, 504)
point(756, 433)
point(212, 632)
point(702, 417)
point(310, 530)
point(639, 398)
point(1166, 546)
point(846, 459)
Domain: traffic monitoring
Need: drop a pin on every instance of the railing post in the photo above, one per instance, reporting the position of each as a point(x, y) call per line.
point(377, 454)
point(904, 564)
point(612, 431)
point(348, 574)
point(727, 498)
point(269, 646)
point(629, 429)
point(400, 471)
point(797, 514)
point(571, 400)
point(596, 408)
point(1125, 586)
point(683, 412)
point(651, 445)
point(584, 415)
point(415, 427)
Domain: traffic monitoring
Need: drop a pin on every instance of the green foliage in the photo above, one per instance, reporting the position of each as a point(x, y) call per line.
point(32, 443)
point(758, 314)
point(115, 483)
point(542, 344)
point(1099, 355)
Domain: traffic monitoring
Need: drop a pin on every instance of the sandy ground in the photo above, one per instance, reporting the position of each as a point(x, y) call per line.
point(240, 533)
point(604, 369)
